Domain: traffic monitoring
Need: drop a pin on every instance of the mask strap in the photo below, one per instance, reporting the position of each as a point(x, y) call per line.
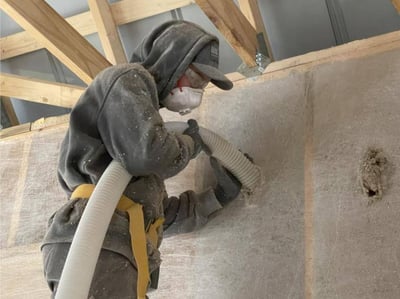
point(179, 84)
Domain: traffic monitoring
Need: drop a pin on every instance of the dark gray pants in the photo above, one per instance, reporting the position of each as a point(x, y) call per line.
point(115, 275)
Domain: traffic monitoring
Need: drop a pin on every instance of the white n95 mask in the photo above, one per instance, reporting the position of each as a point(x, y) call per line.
point(183, 99)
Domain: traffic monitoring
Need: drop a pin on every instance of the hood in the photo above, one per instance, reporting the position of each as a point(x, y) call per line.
point(169, 50)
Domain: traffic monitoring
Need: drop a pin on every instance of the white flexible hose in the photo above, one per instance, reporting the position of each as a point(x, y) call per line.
point(85, 249)
point(231, 158)
point(89, 237)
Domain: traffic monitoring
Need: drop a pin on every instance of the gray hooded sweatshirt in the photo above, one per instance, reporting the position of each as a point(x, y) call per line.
point(117, 118)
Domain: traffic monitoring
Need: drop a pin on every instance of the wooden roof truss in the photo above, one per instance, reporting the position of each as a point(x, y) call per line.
point(45, 28)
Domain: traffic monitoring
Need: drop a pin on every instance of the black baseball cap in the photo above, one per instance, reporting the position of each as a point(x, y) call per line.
point(206, 62)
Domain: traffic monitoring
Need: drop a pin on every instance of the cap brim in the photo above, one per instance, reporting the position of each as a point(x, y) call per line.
point(216, 76)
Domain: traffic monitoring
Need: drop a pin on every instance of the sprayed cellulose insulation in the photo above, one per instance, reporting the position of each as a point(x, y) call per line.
point(309, 231)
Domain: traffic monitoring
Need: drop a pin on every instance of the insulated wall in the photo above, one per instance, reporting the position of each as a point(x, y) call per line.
point(325, 137)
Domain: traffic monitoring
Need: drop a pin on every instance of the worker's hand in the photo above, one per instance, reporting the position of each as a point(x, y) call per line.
point(228, 186)
point(199, 145)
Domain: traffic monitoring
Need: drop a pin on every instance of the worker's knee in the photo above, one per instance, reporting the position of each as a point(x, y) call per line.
point(115, 276)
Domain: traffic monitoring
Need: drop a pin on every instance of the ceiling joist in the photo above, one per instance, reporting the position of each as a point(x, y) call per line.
point(23, 42)
point(238, 31)
point(234, 26)
point(9, 110)
point(40, 124)
point(45, 24)
point(108, 31)
point(252, 12)
point(396, 4)
point(39, 91)
point(123, 12)
point(279, 69)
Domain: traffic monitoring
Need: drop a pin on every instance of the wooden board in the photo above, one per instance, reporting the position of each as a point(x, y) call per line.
point(302, 63)
point(39, 91)
point(108, 31)
point(234, 26)
point(40, 124)
point(45, 24)
point(396, 4)
point(252, 12)
point(123, 12)
point(9, 109)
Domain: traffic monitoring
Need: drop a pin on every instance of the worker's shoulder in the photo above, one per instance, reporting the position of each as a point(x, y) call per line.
point(126, 71)
point(129, 75)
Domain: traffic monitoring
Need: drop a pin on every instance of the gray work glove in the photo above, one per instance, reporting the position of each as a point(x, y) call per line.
point(228, 186)
point(199, 145)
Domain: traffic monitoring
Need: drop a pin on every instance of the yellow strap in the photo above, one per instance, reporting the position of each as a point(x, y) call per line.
point(152, 232)
point(138, 242)
point(83, 191)
point(137, 232)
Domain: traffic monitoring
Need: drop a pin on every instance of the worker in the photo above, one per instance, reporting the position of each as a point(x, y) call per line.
point(117, 118)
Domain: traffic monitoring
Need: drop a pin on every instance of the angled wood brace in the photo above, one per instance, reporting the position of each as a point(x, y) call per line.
point(396, 4)
point(243, 28)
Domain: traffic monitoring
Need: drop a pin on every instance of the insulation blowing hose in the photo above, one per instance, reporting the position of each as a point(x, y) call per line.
point(84, 252)
point(231, 158)
point(85, 249)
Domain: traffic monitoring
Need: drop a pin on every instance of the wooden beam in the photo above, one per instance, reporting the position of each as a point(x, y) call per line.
point(124, 11)
point(9, 109)
point(23, 42)
point(108, 31)
point(60, 38)
point(38, 125)
point(304, 63)
point(48, 122)
point(39, 91)
point(280, 69)
point(16, 130)
point(252, 12)
point(396, 4)
point(234, 26)
point(127, 11)
point(354, 49)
